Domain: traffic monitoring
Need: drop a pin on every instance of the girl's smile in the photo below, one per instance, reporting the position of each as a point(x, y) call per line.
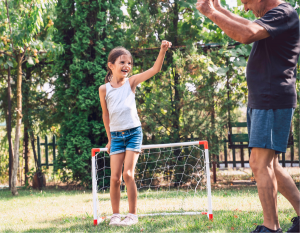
point(122, 66)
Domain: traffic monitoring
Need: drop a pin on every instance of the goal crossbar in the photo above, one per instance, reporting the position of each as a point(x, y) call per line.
point(204, 143)
point(155, 146)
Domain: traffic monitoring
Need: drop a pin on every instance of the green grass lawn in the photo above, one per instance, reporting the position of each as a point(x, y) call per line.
point(235, 210)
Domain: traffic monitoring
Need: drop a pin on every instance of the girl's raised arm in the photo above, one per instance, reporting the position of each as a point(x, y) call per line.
point(138, 78)
point(105, 114)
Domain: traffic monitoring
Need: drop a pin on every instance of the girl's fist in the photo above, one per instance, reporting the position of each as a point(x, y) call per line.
point(165, 45)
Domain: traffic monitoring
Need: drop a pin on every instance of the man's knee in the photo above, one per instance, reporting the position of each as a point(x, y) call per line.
point(261, 159)
point(254, 162)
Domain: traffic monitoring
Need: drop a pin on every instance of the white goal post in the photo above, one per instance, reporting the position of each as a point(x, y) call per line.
point(182, 154)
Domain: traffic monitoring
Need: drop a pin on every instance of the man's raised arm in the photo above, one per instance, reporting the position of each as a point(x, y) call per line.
point(238, 31)
point(230, 15)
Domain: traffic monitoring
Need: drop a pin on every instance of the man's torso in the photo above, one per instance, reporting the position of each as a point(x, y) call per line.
point(271, 68)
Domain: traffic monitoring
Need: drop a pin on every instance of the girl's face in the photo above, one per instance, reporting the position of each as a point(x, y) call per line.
point(122, 66)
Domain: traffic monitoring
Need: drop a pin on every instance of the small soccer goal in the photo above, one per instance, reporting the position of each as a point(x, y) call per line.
point(171, 179)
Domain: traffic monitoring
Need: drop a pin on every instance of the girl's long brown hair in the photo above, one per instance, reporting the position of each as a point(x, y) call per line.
point(112, 57)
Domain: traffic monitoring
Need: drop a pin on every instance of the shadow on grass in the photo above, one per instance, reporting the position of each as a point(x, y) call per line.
point(5, 194)
point(234, 191)
point(224, 221)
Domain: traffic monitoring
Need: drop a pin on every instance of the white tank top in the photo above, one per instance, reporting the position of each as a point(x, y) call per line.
point(121, 107)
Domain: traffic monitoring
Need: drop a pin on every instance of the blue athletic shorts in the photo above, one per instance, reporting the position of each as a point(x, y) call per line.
point(269, 128)
point(130, 139)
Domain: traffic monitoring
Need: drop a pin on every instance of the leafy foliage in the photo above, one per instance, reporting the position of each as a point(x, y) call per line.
point(20, 41)
point(88, 30)
point(195, 79)
point(202, 79)
point(21, 32)
point(189, 100)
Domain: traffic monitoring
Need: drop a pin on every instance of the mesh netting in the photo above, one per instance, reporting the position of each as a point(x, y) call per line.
point(169, 180)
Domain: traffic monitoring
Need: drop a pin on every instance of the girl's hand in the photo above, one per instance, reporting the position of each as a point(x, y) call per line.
point(108, 147)
point(165, 45)
point(138, 78)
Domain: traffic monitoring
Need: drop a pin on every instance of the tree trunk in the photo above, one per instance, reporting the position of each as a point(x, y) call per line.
point(26, 153)
point(228, 98)
point(177, 107)
point(26, 88)
point(214, 139)
point(18, 127)
point(8, 128)
point(33, 149)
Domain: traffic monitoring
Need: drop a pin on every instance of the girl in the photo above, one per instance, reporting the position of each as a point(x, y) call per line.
point(123, 127)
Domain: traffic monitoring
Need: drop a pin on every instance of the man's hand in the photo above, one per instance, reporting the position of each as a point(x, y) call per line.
point(217, 5)
point(206, 7)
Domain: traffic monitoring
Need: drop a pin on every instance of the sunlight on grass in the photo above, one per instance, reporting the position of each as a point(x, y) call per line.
point(156, 202)
point(152, 201)
point(57, 211)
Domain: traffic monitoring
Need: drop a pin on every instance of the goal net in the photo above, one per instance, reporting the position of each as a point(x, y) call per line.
point(171, 179)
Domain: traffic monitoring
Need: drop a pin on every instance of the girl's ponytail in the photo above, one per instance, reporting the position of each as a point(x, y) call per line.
point(108, 76)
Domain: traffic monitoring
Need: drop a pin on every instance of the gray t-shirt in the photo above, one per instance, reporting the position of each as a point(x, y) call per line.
point(271, 68)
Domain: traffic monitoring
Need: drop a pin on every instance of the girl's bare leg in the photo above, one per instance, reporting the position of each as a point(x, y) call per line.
point(131, 158)
point(116, 163)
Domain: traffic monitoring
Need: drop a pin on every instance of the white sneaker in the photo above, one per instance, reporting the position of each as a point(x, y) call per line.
point(128, 221)
point(115, 220)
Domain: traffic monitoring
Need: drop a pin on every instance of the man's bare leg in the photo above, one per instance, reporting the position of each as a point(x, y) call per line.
point(286, 186)
point(261, 163)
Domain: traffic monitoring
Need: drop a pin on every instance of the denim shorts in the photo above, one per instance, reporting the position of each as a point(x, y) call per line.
point(130, 139)
point(269, 128)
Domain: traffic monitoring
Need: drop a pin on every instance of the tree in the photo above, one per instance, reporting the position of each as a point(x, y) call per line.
point(38, 106)
point(88, 30)
point(179, 22)
point(150, 23)
point(6, 106)
point(22, 24)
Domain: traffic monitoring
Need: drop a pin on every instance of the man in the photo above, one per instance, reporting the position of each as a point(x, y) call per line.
point(271, 76)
